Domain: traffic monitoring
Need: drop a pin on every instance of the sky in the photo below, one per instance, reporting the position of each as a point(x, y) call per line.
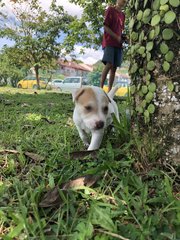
point(90, 57)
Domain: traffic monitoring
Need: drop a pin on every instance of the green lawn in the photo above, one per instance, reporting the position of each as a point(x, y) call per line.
point(125, 195)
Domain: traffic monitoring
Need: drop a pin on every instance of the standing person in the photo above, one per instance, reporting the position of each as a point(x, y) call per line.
point(112, 41)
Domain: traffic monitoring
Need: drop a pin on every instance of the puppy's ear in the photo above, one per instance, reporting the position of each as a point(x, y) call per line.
point(77, 93)
point(107, 97)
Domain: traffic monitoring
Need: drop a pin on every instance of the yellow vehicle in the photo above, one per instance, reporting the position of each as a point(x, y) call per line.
point(30, 82)
point(122, 90)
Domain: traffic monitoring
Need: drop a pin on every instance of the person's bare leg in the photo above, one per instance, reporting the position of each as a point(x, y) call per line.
point(111, 78)
point(105, 71)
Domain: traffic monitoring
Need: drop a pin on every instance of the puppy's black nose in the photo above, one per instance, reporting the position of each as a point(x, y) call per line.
point(99, 124)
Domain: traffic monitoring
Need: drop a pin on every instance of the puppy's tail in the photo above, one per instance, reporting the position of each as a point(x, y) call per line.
point(113, 91)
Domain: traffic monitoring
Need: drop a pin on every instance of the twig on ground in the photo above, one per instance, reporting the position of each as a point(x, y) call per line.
point(112, 234)
point(8, 151)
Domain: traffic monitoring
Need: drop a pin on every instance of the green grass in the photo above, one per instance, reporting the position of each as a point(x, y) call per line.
point(134, 198)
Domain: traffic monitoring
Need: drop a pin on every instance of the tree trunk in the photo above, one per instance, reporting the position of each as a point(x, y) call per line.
point(154, 70)
point(36, 67)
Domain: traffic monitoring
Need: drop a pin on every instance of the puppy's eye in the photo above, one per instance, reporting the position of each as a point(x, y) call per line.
point(88, 108)
point(105, 109)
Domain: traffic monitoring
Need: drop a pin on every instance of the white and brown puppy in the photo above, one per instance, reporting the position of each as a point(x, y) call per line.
point(92, 113)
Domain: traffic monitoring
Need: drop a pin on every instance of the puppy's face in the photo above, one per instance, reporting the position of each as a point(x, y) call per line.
point(93, 107)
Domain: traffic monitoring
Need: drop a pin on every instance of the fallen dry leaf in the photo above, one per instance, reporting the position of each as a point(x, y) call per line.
point(87, 180)
point(34, 156)
point(52, 197)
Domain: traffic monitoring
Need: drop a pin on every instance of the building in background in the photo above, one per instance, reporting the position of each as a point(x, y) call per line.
point(70, 68)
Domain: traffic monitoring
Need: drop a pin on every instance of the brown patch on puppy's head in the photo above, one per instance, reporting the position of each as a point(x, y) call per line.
point(85, 96)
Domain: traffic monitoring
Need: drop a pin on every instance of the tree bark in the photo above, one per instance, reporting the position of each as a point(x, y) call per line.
point(155, 74)
point(37, 75)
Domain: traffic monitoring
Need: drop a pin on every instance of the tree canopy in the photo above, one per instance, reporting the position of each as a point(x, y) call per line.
point(10, 67)
point(38, 34)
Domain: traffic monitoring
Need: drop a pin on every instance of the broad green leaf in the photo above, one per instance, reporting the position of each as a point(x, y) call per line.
point(152, 34)
point(157, 30)
point(139, 109)
point(164, 48)
point(174, 3)
point(131, 23)
point(146, 20)
point(132, 49)
point(132, 89)
point(134, 36)
point(167, 34)
point(146, 116)
point(139, 15)
point(151, 108)
point(170, 86)
point(141, 70)
point(148, 56)
point(162, 2)
point(151, 65)
point(134, 68)
point(148, 76)
point(166, 66)
point(143, 104)
point(169, 17)
point(149, 46)
point(136, 46)
point(155, 4)
point(138, 26)
point(164, 8)
point(141, 36)
point(169, 56)
point(141, 50)
point(152, 87)
point(85, 230)
point(144, 89)
point(146, 13)
point(101, 217)
point(155, 20)
point(149, 97)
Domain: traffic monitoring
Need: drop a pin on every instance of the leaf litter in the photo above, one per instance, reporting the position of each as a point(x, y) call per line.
point(52, 197)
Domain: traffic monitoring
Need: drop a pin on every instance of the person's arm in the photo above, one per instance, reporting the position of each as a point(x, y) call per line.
point(114, 35)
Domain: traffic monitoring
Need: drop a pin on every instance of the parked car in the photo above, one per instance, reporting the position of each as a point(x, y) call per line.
point(72, 83)
point(30, 82)
point(54, 84)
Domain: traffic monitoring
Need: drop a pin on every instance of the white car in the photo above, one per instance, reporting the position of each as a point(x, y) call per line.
point(72, 83)
point(54, 84)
